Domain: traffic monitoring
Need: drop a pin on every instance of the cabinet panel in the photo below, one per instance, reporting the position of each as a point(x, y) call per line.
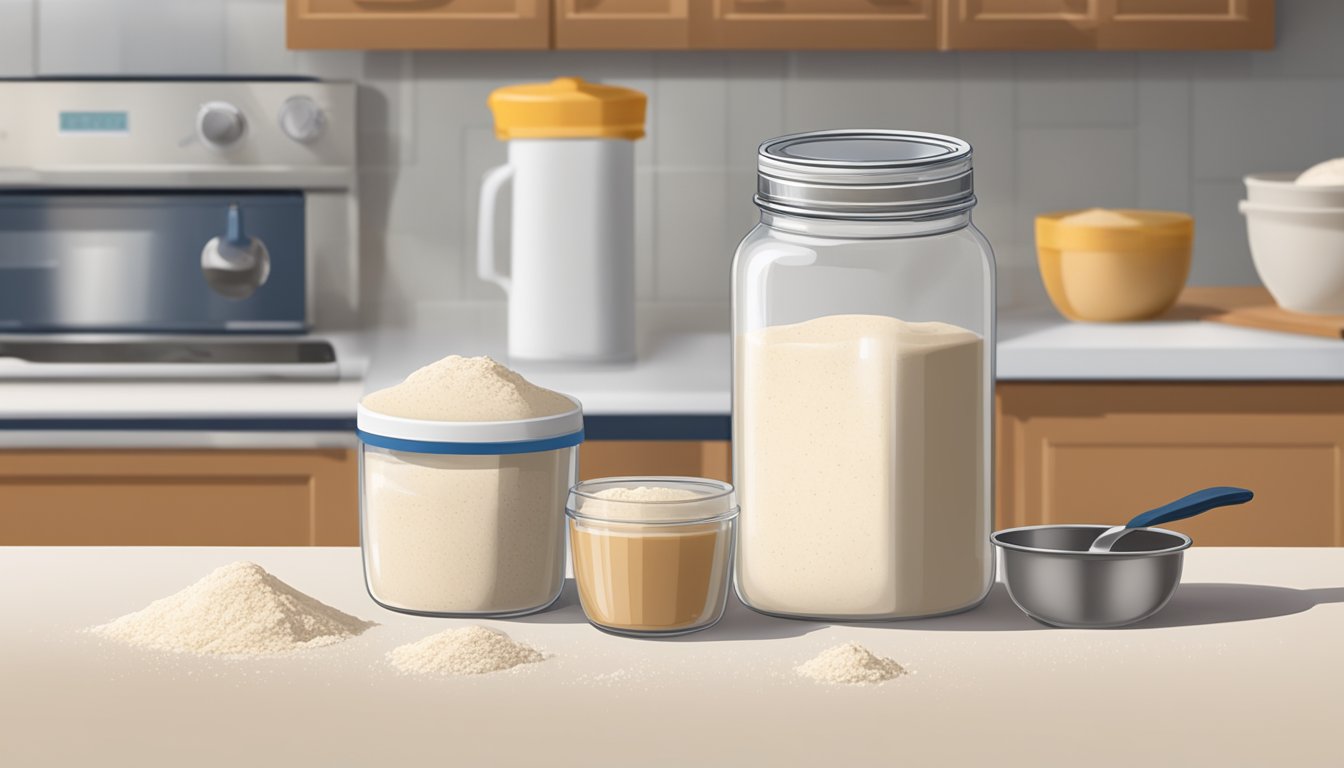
point(1188, 24)
point(815, 24)
point(691, 458)
point(418, 24)
point(1107, 24)
point(622, 24)
point(1101, 453)
point(179, 498)
point(1020, 24)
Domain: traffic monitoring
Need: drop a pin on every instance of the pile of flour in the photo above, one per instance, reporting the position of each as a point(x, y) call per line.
point(851, 664)
point(460, 388)
point(471, 650)
point(237, 610)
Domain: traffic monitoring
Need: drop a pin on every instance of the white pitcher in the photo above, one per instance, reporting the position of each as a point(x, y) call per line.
point(571, 283)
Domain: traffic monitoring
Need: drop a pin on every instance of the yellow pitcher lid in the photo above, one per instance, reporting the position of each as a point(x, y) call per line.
point(567, 108)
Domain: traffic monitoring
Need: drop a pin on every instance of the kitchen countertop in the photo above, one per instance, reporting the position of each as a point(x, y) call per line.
point(1039, 345)
point(1242, 668)
point(683, 368)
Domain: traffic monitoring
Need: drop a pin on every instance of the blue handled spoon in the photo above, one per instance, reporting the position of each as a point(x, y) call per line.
point(1196, 503)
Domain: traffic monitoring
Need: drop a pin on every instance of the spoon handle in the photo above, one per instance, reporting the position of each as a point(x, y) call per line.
point(1196, 503)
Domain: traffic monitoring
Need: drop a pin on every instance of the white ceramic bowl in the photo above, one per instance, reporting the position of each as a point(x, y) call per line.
point(1283, 189)
point(1299, 254)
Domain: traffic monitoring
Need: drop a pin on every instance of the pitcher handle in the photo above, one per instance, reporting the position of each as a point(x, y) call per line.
point(486, 262)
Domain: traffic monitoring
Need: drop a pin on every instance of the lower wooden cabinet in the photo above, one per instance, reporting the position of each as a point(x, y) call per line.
point(1102, 453)
point(1072, 452)
point(179, 497)
point(134, 497)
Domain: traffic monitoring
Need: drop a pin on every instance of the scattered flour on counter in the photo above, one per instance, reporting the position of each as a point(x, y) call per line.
point(460, 388)
point(471, 650)
point(850, 663)
point(237, 610)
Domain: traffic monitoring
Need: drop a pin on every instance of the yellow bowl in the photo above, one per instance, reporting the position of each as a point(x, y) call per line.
point(1108, 273)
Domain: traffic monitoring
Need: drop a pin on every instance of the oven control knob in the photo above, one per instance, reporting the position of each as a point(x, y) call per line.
point(220, 124)
point(302, 119)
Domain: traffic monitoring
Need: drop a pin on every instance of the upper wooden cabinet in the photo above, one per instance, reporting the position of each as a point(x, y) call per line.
point(815, 24)
point(418, 24)
point(1107, 24)
point(783, 24)
point(622, 24)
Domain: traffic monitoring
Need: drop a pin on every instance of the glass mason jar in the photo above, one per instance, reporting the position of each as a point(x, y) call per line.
point(863, 325)
point(465, 518)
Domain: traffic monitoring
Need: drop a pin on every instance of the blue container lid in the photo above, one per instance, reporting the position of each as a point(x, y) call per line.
point(479, 438)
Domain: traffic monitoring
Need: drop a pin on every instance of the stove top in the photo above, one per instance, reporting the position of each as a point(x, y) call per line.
point(168, 358)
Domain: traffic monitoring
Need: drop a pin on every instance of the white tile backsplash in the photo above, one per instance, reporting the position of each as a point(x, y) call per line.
point(1064, 168)
point(1054, 89)
point(1169, 130)
point(17, 37)
point(1222, 254)
point(1243, 126)
point(80, 36)
point(1164, 138)
point(254, 39)
point(694, 246)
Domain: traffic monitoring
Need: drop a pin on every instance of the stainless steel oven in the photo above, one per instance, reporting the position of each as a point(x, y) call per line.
point(173, 228)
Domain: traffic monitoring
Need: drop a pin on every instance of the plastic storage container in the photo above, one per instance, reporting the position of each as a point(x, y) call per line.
point(863, 321)
point(571, 176)
point(465, 518)
point(652, 566)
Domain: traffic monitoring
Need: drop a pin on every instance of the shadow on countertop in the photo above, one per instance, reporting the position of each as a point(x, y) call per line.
point(1193, 604)
point(1198, 604)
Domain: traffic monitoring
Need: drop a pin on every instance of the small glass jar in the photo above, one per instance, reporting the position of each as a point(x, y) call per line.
point(652, 555)
point(465, 518)
point(863, 323)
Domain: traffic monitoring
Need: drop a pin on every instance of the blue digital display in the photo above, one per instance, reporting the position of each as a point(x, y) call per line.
point(95, 122)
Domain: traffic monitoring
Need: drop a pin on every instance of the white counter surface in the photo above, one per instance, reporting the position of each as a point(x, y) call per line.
point(684, 366)
point(1040, 345)
point(1242, 668)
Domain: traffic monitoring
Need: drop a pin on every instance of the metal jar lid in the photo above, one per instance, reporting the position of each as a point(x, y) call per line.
point(865, 174)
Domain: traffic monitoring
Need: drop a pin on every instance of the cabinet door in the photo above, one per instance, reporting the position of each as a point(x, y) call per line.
point(418, 24)
point(1107, 24)
point(1188, 24)
point(179, 498)
point(1102, 453)
point(622, 24)
point(1020, 24)
point(689, 458)
point(814, 24)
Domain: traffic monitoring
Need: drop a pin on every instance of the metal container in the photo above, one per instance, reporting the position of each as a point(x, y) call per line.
point(1052, 577)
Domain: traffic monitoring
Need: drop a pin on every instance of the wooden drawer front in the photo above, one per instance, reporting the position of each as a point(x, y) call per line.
point(622, 24)
point(690, 458)
point(418, 24)
point(1102, 453)
point(815, 24)
point(179, 498)
point(1107, 24)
